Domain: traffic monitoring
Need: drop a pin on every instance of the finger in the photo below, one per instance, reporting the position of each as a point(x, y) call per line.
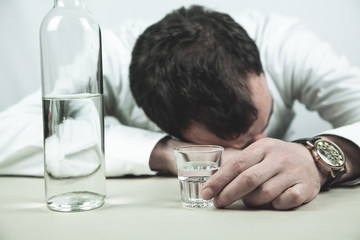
point(229, 171)
point(269, 190)
point(294, 197)
point(246, 182)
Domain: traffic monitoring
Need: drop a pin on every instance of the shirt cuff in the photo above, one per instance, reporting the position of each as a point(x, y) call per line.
point(128, 149)
point(349, 132)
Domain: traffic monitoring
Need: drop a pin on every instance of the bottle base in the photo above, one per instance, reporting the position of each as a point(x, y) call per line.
point(75, 202)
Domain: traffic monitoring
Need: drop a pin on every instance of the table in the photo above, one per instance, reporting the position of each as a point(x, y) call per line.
point(150, 208)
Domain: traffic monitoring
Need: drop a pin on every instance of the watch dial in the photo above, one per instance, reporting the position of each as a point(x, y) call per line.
point(330, 153)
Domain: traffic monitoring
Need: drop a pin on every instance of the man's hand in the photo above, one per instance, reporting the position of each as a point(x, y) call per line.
point(162, 157)
point(268, 171)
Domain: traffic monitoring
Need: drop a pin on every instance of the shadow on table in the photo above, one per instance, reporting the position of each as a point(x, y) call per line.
point(239, 205)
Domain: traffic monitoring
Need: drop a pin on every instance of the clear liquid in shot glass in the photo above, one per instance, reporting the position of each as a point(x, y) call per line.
point(192, 176)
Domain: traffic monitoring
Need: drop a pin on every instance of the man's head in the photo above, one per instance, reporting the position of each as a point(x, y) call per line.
point(196, 67)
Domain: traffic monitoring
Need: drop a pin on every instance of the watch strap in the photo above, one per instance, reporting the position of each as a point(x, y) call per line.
point(304, 140)
point(332, 181)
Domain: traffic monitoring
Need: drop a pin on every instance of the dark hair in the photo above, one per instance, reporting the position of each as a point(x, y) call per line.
point(194, 65)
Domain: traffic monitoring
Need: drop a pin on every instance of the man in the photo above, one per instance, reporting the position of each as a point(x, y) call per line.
point(203, 79)
point(198, 76)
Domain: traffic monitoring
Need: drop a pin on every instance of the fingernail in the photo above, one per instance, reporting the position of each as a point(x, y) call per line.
point(207, 193)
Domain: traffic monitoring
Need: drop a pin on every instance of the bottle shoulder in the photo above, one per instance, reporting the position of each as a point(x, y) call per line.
point(58, 18)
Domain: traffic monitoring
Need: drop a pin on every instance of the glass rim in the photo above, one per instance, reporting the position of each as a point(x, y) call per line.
point(196, 148)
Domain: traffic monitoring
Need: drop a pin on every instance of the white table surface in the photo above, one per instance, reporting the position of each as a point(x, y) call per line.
point(150, 208)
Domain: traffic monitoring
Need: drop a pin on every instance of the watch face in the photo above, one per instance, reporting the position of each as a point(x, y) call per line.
point(330, 153)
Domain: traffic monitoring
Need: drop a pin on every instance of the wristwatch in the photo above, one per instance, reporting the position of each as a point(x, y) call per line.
point(328, 157)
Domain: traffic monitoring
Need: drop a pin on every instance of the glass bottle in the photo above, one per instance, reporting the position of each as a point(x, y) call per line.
point(73, 118)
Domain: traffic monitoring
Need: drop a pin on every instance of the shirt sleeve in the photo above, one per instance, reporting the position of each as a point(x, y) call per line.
point(307, 69)
point(21, 140)
point(128, 149)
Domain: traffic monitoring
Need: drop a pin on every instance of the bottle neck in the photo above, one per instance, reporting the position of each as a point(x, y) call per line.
point(69, 3)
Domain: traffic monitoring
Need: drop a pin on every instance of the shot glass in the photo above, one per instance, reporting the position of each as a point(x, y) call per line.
point(195, 164)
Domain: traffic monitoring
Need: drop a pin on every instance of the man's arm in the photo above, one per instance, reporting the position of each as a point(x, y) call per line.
point(127, 149)
point(21, 140)
point(281, 173)
point(322, 80)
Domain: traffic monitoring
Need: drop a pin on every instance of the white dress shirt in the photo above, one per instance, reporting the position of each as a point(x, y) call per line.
point(297, 66)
